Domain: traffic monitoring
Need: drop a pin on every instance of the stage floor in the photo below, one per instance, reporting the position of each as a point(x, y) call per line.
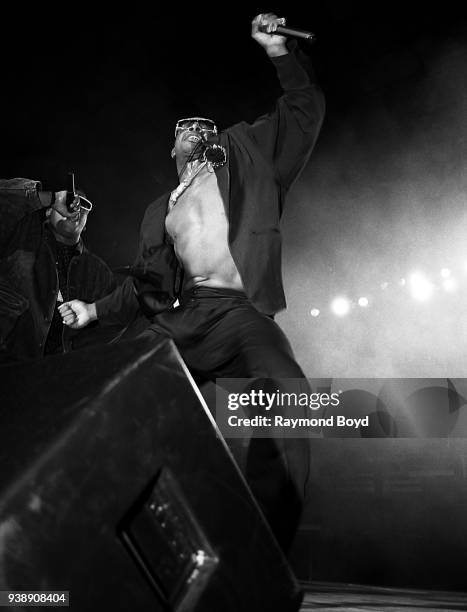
point(324, 597)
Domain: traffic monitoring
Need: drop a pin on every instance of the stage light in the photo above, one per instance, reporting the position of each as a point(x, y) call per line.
point(450, 284)
point(340, 306)
point(363, 302)
point(421, 287)
point(445, 273)
point(402, 282)
point(384, 285)
point(314, 312)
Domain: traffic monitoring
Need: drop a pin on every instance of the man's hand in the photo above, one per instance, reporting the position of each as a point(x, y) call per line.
point(273, 44)
point(77, 314)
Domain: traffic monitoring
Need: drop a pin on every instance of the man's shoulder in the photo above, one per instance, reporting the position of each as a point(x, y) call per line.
point(237, 137)
point(153, 223)
point(236, 130)
point(156, 208)
point(158, 201)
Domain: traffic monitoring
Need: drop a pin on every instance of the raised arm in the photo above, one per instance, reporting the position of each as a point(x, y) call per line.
point(287, 135)
point(18, 198)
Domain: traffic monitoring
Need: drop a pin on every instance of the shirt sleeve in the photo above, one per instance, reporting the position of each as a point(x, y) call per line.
point(151, 273)
point(18, 198)
point(119, 307)
point(287, 135)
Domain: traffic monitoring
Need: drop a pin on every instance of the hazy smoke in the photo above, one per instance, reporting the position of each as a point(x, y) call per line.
point(384, 194)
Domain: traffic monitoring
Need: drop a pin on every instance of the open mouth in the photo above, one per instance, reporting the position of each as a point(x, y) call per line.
point(193, 138)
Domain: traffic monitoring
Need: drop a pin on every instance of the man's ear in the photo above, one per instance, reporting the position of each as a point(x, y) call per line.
point(172, 153)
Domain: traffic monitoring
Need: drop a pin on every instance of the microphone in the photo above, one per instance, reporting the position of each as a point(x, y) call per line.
point(70, 192)
point(213, 153)
point(209, 151)
point(75, 199)
point(294, 32)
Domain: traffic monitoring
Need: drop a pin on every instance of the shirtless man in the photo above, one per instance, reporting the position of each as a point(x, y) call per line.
point(214, 243)
point(196, 219)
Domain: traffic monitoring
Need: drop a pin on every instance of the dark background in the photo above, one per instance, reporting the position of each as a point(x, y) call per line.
point(384, 191)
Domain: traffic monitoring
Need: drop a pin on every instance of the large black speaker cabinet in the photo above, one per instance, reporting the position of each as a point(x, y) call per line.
point(116, 486)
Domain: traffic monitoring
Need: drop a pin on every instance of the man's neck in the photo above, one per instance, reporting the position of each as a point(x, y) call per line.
point(63, 239)
point(186, 170)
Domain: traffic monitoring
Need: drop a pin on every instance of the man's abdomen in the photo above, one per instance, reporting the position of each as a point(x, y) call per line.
point(199, 228)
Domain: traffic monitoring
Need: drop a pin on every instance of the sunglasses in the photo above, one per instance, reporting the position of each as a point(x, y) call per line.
point(80, 202)
point(84, 203)
point(207, 126)
point(75, 200)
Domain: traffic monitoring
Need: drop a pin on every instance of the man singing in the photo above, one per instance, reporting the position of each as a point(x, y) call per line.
point(43, 262)
point(214, 244)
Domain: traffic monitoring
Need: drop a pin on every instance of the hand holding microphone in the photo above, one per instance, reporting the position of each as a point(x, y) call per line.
point(270, 32)
point(75, 200)
point(72, 198)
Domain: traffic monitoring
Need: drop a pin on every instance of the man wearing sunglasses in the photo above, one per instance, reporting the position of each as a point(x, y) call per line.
point(43, 262)
point(214, 244)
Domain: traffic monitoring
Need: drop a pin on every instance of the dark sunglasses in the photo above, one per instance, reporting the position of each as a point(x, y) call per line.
point(205, 125)
point(80, 202)
point(75, 200)
point(84, 203)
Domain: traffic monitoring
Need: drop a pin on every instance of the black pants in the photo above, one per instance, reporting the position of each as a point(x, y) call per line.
point(221, 335)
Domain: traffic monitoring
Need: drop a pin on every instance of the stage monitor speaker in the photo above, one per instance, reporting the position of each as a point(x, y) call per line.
point(116, 486)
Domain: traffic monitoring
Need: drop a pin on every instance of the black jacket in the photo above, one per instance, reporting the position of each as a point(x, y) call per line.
point(28, 276)
point(263, 160)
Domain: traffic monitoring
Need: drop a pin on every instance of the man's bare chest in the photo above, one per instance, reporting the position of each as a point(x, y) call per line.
point(198, 207)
